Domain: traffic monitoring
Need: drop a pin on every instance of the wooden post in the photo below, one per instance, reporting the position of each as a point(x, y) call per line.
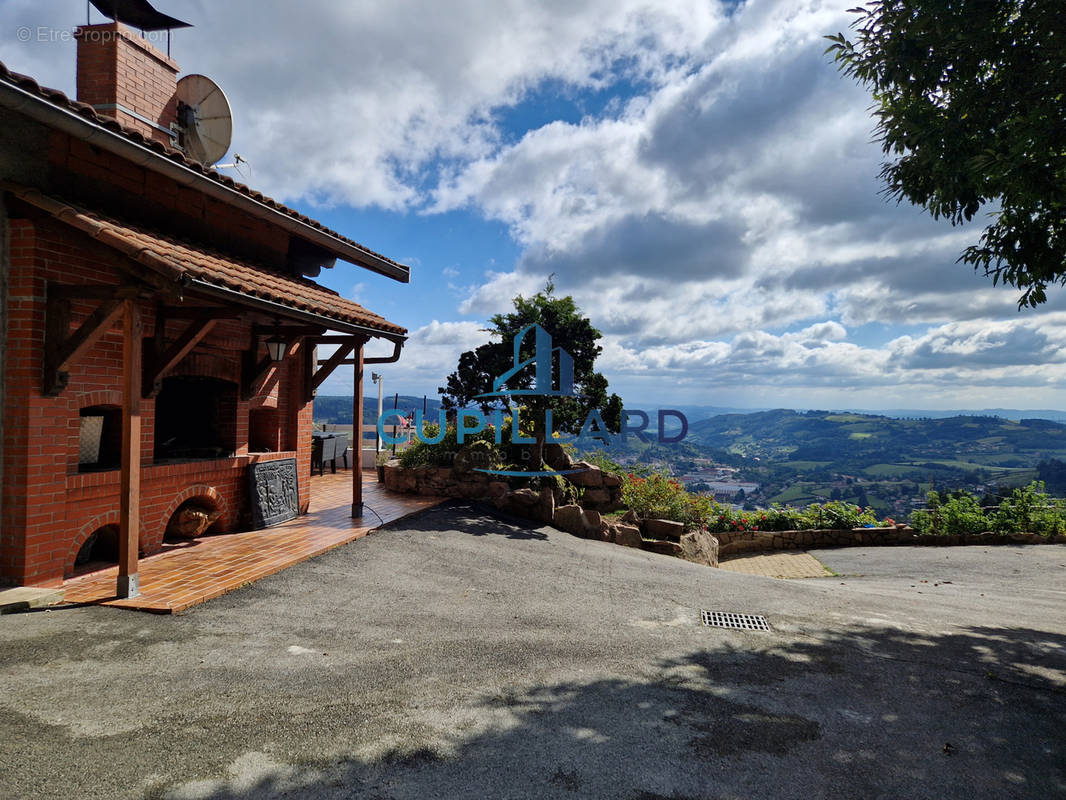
point(357, 436)
point(130, 477)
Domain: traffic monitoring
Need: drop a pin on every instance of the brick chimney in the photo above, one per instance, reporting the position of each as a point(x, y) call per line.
point(123, 76)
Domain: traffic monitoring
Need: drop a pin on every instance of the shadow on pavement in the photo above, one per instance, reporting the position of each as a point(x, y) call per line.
point(473, 519)
point(858, 713)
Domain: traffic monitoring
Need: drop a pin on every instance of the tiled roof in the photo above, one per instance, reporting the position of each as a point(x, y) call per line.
point(58, 98)
point(182, 262)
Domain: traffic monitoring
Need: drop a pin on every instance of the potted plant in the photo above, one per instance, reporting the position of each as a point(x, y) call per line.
point(381, 460)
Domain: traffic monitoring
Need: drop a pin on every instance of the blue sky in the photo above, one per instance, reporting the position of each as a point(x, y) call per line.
point(695, 173)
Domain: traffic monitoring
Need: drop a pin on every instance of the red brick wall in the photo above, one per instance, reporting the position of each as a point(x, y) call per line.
point(118, 67)
point(48, 507)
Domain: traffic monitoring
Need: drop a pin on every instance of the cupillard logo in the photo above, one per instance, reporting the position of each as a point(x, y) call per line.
point(552, 371)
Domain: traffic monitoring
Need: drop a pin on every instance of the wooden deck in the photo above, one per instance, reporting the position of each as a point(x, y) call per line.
point(184, 575)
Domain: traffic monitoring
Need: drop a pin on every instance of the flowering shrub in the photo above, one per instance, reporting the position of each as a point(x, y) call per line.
point(659, 496)
point(725, 519)
point(776, 518)
point(834, 514)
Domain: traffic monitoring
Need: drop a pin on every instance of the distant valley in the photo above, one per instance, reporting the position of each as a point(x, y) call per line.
point(756, 458)
point(797, 458)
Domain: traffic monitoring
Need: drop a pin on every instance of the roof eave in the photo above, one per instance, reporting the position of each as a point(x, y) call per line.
point(42, 110)
point(269, 306)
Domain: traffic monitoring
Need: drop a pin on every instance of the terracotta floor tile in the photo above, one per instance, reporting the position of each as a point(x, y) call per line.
point(184, 575)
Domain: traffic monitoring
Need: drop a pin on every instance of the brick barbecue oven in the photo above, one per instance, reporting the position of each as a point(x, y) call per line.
point(140, 291)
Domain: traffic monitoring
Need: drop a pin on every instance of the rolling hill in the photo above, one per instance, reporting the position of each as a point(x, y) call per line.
point(337, 409)
point(887, 446)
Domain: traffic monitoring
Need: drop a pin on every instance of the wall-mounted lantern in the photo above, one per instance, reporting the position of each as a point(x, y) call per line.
point(277, 347)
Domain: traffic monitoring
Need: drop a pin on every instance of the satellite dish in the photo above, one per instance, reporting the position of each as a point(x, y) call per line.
point(205, 119)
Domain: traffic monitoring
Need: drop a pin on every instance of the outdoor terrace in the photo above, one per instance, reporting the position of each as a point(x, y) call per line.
point(186, 574)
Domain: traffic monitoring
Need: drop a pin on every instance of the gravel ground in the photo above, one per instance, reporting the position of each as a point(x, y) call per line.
point(457, 654)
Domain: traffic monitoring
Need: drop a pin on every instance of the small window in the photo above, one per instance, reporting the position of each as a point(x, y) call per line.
point(100, 438)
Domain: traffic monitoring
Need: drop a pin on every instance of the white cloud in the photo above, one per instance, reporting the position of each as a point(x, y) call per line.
point(429, 355)
point(719, 220)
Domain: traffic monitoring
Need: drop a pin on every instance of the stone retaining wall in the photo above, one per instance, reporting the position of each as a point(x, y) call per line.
point(601, 492)
point(442, 482)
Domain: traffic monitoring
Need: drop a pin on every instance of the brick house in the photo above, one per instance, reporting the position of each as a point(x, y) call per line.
point(142, 294)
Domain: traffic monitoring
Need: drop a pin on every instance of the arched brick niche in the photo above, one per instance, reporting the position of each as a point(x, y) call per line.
point(93, 526)
point(201, 495)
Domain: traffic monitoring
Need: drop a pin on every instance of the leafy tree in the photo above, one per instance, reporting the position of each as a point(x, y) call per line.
point(1053, 473)
point(570, 330)
point(970, 99)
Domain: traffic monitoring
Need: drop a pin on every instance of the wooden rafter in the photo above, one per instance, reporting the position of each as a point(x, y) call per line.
point(62, 348)
point(164, 360)
point(334, 361)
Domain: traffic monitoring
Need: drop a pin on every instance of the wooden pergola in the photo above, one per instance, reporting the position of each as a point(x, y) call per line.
point(349, 352)
point(145, 362)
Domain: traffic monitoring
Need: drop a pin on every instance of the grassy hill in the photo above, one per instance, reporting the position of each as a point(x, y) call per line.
point(884, 446)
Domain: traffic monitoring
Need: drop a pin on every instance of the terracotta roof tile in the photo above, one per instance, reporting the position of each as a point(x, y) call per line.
point(181, 261)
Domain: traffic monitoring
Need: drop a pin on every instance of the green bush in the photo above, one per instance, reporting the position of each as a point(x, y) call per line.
point(956, 514)
point(659, 496)
point(776, 518)
point(1030, 510)
point(1027, 510)
point(836, 514)
point(600, 458)
point(442, 454)
point(724, 518)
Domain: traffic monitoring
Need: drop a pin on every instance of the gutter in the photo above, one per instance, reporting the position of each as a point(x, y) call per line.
point(44, 111)
point(397, 346)
point(279, 310)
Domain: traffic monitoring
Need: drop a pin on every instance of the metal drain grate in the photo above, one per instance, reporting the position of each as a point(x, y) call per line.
point(740, 622)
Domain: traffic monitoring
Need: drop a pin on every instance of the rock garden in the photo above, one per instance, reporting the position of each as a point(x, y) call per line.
point(597, 499)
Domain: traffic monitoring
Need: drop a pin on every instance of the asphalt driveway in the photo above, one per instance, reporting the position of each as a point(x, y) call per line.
point(459, 655)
